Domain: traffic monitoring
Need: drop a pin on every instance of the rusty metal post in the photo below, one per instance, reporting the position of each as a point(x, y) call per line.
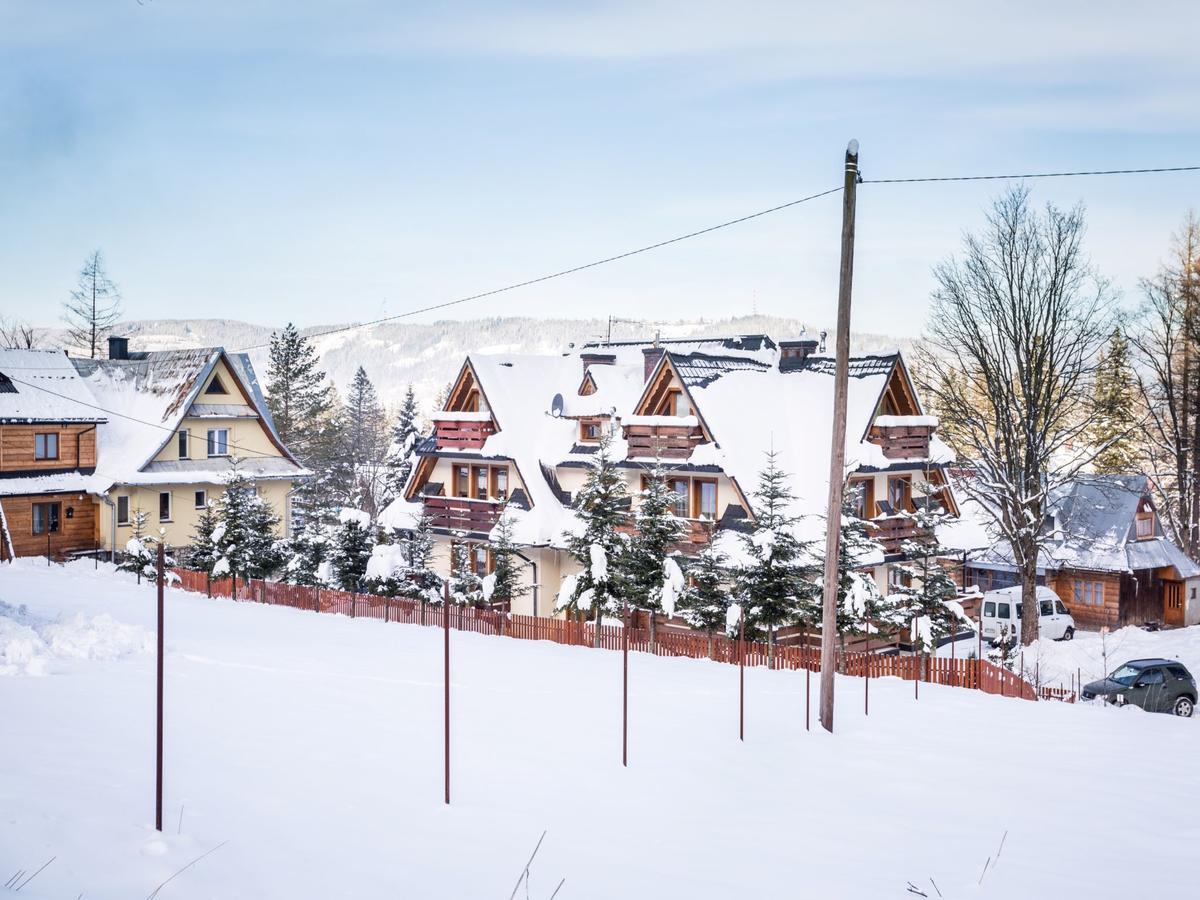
point(742, 675)
point(807, 695)
point(625, 685)
point(867, 675)
point(446, 681)
point(158, 743)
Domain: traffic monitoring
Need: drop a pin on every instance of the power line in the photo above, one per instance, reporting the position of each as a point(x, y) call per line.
point(113, 412)
point(1028, 175)
point(560, 274)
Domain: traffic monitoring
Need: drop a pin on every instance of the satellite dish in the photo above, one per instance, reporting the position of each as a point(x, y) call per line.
point(556, 406)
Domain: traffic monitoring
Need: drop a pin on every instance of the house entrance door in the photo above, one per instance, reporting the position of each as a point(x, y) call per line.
point(1172, 602)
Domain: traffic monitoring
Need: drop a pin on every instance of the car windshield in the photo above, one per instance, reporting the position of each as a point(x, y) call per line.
point(1125, 675)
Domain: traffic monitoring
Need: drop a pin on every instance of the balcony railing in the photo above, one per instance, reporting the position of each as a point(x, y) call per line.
point(661, 437)
point(462, 431)
point(903, 437)
point(696, 534)
point(893, 531)
point(463, 513)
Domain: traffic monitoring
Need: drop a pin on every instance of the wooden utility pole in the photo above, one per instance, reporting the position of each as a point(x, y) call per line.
point(837, 447)
point(446, 681)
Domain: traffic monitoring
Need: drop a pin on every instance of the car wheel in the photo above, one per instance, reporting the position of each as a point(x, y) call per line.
point(1184, 707)
point(1068, 634)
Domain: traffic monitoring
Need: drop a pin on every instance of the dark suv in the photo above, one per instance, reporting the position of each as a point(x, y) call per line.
point(1156, 685)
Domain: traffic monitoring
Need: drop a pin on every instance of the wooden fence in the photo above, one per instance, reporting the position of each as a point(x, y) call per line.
point(966, 673)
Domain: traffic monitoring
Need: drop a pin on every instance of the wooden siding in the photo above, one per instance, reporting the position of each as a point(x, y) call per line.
point(76, 447)
point(662, 441)
point(902, 441)
point(1089, 616)
point(79, 532)
point(462, 513)
point(456, 435)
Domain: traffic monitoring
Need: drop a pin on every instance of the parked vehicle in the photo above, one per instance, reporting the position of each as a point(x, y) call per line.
point(1156, 685)
point(1002, 608)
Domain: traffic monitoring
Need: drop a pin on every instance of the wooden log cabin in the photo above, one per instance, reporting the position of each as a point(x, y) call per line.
point(48, 447)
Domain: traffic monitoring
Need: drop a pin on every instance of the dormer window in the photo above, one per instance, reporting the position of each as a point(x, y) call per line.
point(6, 385)
point(216, 386)
point(1144, 521)
point(590, 431)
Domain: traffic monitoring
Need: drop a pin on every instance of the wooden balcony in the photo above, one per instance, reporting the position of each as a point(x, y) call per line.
point(696, 535)
point(463, 431)
point(908, 441)
point(893, 531)
point(463, 513)
point(662, 437)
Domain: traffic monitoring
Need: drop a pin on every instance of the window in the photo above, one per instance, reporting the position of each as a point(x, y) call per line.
point(989, 609)
point(1003, 610)
point(680, 487)
point(1045, 608)
point(1178, 672)
point(218, 442)
point(863, 493)
point(122, 510)
point(589, 431)
point(45, 446)
point(183, 445)
point(46, 517)
point(500, 477)
point(164, 506)
point(899, 493)
point(201, 499)
point(215, 386)
point(706, 499)
point(481, 483)
point(1151, 676)
point(479, 559)
point(1059, 608)
point(1090, 593)
point(1145, 526)
point(462, 481)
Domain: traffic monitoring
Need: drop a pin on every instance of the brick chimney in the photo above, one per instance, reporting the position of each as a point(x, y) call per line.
point(650, 357)
point(597, 359)
point(118, 347)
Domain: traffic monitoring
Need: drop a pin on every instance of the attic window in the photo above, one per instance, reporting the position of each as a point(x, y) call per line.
point(6, 385)
point(1145, 521)
point(215, 386)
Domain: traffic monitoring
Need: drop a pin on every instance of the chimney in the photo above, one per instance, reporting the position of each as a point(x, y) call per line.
point(118, 348)
point(597, 359)
point(792, 354)
point(651, 356)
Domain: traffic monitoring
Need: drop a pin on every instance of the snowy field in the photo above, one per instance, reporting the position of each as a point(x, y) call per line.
point(307, 750)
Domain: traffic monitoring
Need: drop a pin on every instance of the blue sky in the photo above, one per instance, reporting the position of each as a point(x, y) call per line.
point(325, 162)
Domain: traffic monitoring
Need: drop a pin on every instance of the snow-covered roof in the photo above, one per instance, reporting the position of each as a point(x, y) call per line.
point(147, 397)
point(1091, 526)
point(51, 483)
point(43, 386)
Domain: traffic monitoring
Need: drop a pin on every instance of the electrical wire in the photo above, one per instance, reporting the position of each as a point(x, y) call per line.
point(543, 278)
point(113, 412)
point(1027, 175)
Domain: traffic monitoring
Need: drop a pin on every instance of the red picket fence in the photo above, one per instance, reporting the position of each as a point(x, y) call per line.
point(966, 673)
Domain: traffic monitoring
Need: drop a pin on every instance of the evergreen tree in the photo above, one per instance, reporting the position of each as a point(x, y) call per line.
point(601, 505)
point(656, 529)
point(861, 608)
point(364, 443)
point(244, 541)
point(139, 558)
point(351, 550)
point(93, 309)
point(298, 395)
point(202, 552)
point(505, 579)
point(924, 599)
point(466, 587)
point(310, 555)
point(1115, 421)
point(404, 438)
point(776, 587)
point(705, 601)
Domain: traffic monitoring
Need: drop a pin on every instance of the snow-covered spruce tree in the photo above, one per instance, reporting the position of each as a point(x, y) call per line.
point(504, 584)
point(202, 552)
point(404, 438)
point(861, 608)
point(298, 394)
point(352, 543)
point(309, 554)
point(138, 558)
point(365, 442)
point(244, 537)
point(705, 601)
point(648, 573)
point(925, 600)
point(466, 587)
point(602, 507)
point(1115, 421)
point(776, 586)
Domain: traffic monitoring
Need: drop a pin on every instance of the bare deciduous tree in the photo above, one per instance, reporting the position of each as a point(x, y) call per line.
point(94, 307)
point(16, 334)
point(1014, 334)
point(1165, 336)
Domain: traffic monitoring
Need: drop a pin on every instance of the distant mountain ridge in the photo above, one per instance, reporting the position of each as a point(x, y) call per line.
point(428, 355)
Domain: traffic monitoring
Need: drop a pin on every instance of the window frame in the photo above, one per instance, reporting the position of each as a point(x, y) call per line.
point(904, 503)
point(584, 427)
point(200, 494)
point(51, 515)
point(216, 386)
point(170, 506)
point(698, 485)
point(128, 510)
point(183, 444)
point(45, 438)
point(211, 444)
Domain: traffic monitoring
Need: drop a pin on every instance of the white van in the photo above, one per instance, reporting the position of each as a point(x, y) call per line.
point(1003, 608)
